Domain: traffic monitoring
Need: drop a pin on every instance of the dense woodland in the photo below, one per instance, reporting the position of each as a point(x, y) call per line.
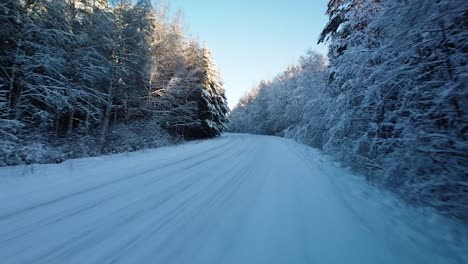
point(88, 77)
point(390, 101)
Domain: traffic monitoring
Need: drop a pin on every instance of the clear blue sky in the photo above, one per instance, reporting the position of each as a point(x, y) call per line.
point(254, 40)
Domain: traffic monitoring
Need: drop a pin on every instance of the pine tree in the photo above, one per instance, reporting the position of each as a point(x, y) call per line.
point(421, 86)
point(351, 119)
point(216, 101)
point(396, 71)
point(89, 61)
point(132, 61)
point(206, 90)
point(294, 104)
point(13, 20)
point(88, 72)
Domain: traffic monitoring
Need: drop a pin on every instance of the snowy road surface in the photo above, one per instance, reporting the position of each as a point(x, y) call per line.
point(235, 199)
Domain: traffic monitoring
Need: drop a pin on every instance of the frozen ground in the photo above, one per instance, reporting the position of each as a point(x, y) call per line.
point(235, 199)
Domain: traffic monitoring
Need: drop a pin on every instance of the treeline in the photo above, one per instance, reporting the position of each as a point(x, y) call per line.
point(391, 103)
point(86, 77)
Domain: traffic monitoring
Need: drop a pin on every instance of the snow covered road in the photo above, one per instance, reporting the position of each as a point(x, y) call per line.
point(235, 199)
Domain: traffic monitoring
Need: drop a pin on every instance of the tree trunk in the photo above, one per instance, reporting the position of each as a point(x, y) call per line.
point(446, 52)
point(70, 123)
point(13, 96)
point(126, 112)
point(57, 123)
point(115, 117)
point(107, 115)
point(87, 124)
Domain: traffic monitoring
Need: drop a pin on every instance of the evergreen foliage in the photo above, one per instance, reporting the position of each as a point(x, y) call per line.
point(83, 77)
point(391, 104)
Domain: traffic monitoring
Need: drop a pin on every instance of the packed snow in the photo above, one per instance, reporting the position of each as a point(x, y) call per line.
point(233, 199)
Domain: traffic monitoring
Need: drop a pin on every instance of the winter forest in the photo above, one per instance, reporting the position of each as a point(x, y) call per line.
point(327, 131)
point(83, 78)
point(390, 101)
point(87, 77)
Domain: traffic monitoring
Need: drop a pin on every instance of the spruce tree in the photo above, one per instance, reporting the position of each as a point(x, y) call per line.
point(217, 109)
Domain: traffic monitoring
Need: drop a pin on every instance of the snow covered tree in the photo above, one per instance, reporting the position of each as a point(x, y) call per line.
point(294, 104)
point(175, 105)
point(41, 92)
point(13, 20)
point(208, 93)
point(396, 71)
point(89, 64)
point(88, 72)
point(130, 63)
point(310, 102)
point(393, 105)
point(421, 133)
point(167, 50)
point(350, 119)
point(215, 116)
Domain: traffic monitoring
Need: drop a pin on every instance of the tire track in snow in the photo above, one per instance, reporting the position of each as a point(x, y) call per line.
point(38, 224)
point(87, 237)
point(105, 184)
point(187, 210)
